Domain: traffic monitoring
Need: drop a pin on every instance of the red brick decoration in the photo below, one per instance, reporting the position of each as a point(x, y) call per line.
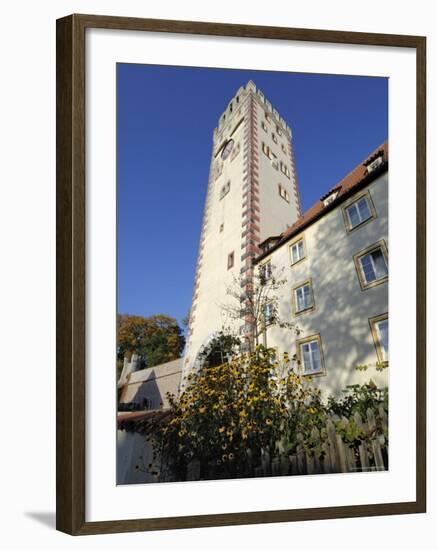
point(292, 160)
point(250, 203)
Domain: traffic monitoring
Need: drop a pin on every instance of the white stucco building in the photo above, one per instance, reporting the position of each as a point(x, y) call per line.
point(334, 257)
point(335, 262)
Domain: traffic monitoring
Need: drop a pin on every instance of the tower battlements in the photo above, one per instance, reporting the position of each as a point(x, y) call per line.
point(236, 103)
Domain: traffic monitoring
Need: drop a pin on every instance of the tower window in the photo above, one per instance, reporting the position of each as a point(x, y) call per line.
point(284, 169)
point(230, 260)
point(225, 189)
point(283, 193)
point(274, 138)
point(264, 126)
point(222, 226)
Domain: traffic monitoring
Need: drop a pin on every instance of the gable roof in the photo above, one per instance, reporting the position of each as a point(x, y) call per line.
point(358, 178)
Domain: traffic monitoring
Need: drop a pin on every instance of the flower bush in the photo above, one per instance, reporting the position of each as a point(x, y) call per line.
point(231, 416)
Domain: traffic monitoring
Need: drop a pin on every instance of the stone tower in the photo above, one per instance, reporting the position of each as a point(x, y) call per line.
point(252, 195)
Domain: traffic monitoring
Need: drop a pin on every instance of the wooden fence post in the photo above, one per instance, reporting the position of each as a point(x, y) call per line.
point(362, 449)
point(332, 442)
point(193, 470)
point(377, 453)
point(300, 454)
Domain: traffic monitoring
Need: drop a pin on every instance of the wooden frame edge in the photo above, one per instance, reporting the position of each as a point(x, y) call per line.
point(70, 274)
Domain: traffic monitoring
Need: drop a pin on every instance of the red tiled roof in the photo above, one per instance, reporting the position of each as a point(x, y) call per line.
point(358, 175)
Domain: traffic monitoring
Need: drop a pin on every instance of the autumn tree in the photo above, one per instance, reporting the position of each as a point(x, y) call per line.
point(157, 339)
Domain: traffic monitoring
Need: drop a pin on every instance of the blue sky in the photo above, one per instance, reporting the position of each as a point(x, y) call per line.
point(165, 120)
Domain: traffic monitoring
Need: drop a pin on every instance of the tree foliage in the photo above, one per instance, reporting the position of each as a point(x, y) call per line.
point(223, 347)
point(251, 302)
point(157, 339)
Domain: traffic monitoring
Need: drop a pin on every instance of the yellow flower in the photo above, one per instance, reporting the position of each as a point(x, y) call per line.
point(202, 410)
point(231, 456)
point(221, 429)
point(268, 421)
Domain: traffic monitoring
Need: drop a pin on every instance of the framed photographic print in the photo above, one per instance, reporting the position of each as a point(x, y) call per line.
point(240, 274)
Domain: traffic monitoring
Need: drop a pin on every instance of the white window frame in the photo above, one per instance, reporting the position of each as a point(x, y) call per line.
point(382, 355)
point(307, 342)
point(380, 245)
point(374, 268)
point(267, 319)
point(347, 219)
point(294, 244)
point(331, 198)
point(301, 287)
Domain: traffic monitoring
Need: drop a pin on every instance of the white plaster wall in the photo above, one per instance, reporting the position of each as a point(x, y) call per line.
point(275, 214)
point(342, 309)
point(153, 384)
point(215, 276)
point(134, 454)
